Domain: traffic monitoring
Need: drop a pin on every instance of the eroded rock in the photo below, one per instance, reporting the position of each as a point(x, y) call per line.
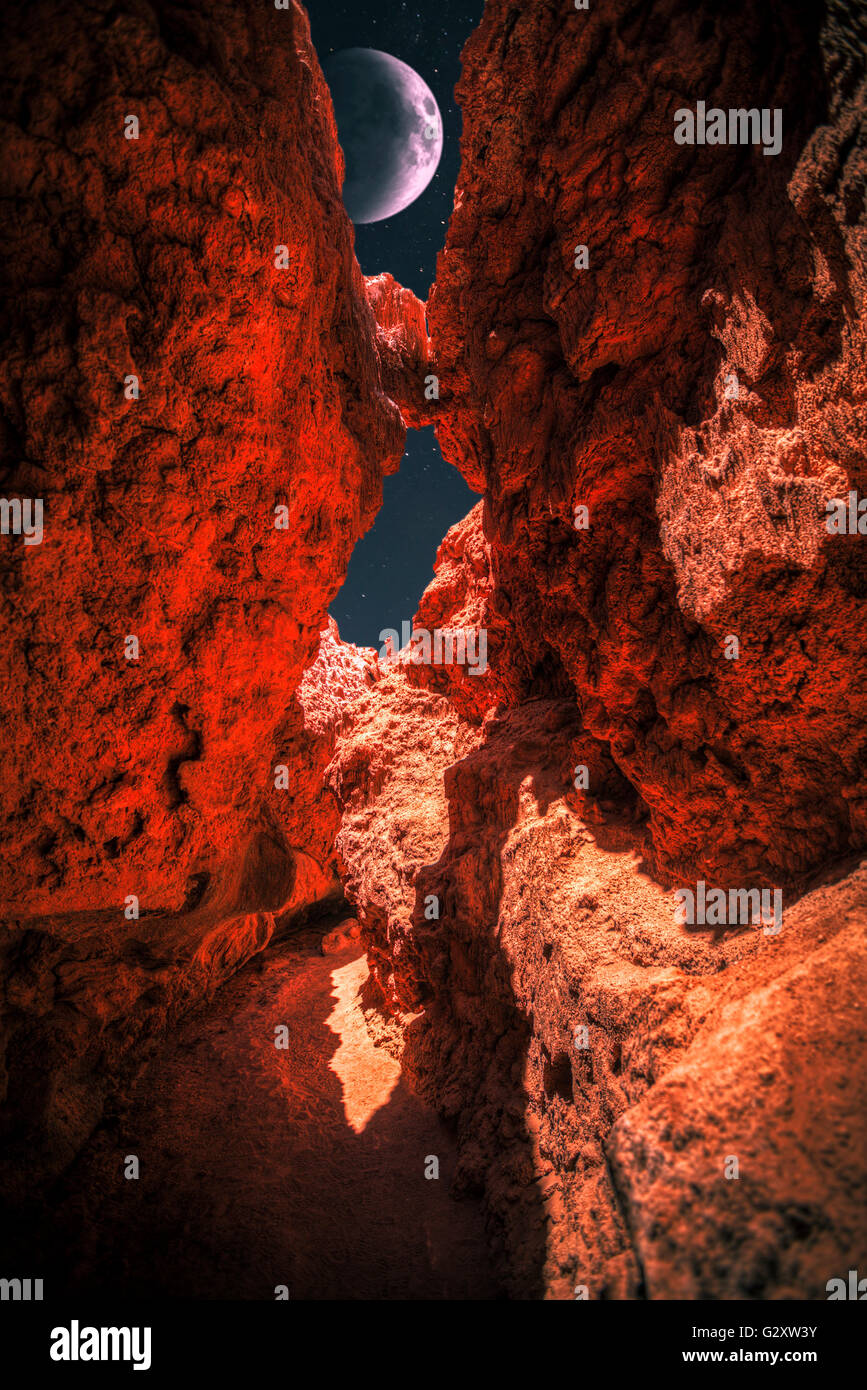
point(610, 388)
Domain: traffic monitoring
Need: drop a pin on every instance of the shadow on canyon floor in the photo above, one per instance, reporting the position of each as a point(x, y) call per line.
point(259, 1166)
point(473, 1049)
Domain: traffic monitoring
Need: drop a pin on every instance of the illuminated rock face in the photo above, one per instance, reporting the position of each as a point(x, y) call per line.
point(404, 349)
point(712, 270)
point(166, 388)
point(602, 1064)
point(258, 388)
point(309, 815)
point(631, 1094)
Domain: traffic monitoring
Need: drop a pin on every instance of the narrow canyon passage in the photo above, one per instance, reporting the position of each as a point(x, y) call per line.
point(262, 1166)
point(495, 569)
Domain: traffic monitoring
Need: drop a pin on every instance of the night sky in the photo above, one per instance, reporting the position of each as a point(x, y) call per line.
point(393, 564)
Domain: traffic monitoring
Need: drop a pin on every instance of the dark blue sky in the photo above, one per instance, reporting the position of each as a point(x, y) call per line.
point(393, 564)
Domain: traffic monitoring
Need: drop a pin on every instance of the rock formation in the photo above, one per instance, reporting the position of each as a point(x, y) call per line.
point(650, 359)
point(258, 388)
point(710, 270)
point(191, 385)
point(403, 348)
point(634, 1097)
point(602, 1063)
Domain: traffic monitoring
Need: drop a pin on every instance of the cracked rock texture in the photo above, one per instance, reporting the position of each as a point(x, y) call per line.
point(259, 387)
point(603, 1064)
point(504, 917)
point(403, 347)
point(711, 269)
point(83, 1000)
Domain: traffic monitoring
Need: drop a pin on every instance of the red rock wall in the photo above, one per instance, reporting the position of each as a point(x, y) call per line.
point(259, 387)
point(606, 387)
point(84, 996)
point(603, 1166)
point(404, 349)
point(606, 1158)
point(309, 814)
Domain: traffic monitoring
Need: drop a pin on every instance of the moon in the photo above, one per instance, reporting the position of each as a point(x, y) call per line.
point(390, 130)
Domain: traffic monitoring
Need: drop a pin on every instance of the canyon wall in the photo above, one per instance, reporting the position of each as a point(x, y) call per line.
point(650, 1109)
point(211, 259)
point(712, 269)
point(605, 1067)
point(192, 387)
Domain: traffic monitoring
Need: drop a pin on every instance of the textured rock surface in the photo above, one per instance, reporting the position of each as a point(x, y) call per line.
point(403, 347)
point(503, 912)
point(82, 999)
point(340, 938)
point(775, 1078)
point(602, 1164)
point(261, 1166)
point(259, 386)
point(606, 388)
point(81, 1005)
point(605, 1165)
point(308, 814)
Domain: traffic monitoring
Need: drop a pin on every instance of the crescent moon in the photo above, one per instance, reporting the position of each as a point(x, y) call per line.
point(390, 129)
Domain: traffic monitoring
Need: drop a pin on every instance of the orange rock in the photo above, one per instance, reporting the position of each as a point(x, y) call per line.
point(260, 388)
point(612, 388)
point(341, 937)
